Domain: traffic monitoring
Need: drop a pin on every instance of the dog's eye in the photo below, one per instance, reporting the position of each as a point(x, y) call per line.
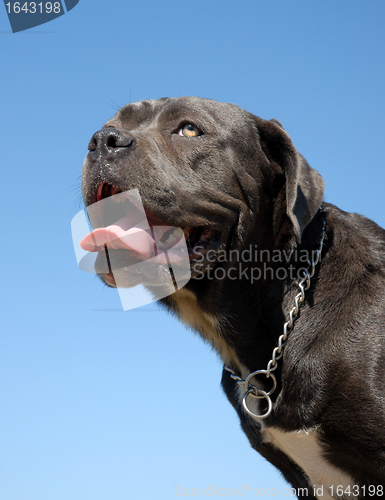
point(189, 130)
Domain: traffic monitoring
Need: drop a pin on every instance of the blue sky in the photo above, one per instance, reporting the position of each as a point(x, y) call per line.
point(98, 404)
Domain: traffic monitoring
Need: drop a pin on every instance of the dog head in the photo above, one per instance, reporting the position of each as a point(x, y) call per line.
point(223, 175)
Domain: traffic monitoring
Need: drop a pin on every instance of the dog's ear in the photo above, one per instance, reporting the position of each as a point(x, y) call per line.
point(304, 185)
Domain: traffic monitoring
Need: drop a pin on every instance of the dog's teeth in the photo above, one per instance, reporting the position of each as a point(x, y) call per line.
point(171, 239)
point(175, 236)
point(178, 233)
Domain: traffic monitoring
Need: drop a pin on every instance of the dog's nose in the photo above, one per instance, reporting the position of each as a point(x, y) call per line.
point(110, 140)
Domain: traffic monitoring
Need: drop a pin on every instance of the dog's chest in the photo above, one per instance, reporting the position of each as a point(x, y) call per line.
point(304, 448)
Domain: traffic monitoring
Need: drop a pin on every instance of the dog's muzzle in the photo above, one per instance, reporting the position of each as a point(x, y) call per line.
point(114, 239)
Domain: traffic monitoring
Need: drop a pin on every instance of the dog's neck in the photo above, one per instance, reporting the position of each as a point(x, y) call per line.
point(245, 325)
point(211, 327)
point(220, 331)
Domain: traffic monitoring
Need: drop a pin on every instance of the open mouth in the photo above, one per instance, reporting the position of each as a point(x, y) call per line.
point(114, 222)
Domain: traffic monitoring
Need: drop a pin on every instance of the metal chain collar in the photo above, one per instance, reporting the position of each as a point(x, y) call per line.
point(272, 365)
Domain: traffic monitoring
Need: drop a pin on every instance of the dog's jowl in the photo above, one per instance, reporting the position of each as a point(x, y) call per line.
point(288, 289)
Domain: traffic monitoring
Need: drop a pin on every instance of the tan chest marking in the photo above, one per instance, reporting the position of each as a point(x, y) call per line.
point(206, 324)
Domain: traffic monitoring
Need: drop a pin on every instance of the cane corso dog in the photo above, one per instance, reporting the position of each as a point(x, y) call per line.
point(288, 289)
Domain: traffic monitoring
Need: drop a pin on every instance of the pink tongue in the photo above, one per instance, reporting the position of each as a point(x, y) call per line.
point(119, 235)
